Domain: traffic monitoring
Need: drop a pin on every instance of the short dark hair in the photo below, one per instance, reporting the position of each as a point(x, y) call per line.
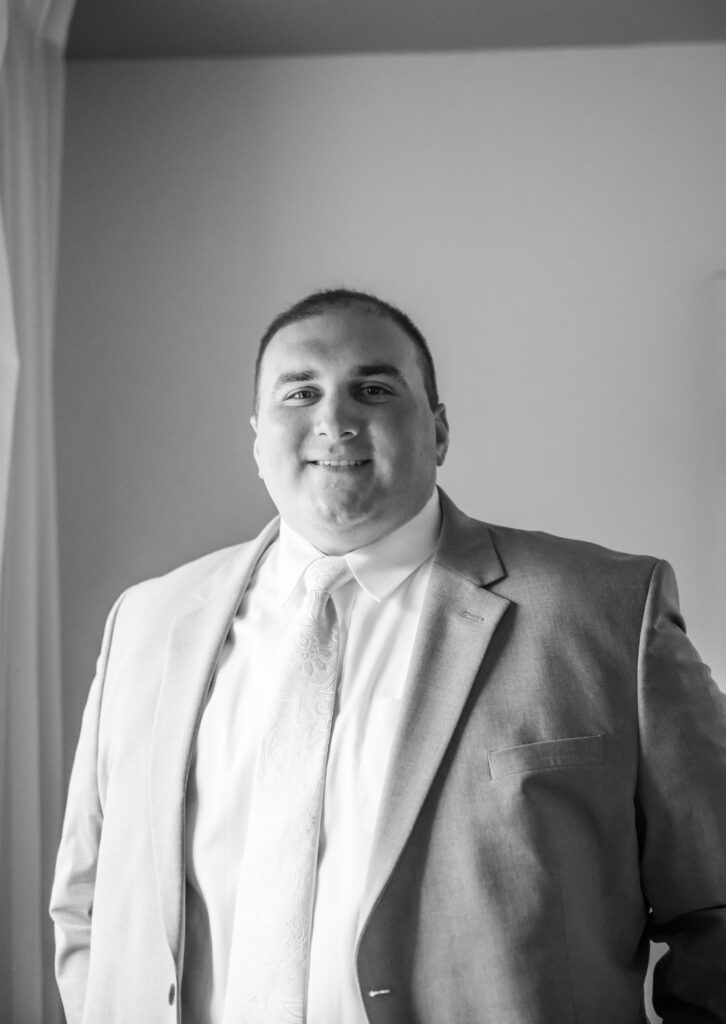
point(321, 302)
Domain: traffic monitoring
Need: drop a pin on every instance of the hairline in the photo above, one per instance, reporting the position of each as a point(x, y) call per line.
point(322, 303)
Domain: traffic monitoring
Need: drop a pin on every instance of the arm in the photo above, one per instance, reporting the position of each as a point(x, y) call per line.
point(681, 806)
point(71, 906)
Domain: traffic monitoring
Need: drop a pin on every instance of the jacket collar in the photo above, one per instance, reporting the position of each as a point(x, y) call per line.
point(458, 620)
point(195, 644)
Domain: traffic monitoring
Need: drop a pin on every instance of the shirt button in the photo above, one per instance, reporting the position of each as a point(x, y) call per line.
point(172, 993)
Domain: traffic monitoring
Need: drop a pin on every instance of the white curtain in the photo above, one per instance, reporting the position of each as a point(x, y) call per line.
point(32, 38)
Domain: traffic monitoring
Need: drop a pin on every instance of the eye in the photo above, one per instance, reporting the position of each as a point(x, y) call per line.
point(375, 391)
point(300, 395)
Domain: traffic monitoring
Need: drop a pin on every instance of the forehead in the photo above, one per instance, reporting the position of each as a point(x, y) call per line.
point(340, 340)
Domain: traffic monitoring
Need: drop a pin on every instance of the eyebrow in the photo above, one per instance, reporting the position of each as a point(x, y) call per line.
point(294, 377)
point(362, 370)
point(380, 370)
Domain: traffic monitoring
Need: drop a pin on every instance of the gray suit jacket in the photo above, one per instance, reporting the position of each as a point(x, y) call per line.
point(555, 796)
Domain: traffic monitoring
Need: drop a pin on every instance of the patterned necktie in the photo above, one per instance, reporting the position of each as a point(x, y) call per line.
point(268, 964)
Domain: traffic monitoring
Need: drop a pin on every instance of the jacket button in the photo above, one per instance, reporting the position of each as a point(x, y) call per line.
point(172, 993)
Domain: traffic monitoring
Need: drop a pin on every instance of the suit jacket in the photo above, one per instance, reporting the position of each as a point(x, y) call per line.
point(555, 796)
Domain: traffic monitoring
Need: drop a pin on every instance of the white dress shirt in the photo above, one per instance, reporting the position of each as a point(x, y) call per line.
point(378, 612)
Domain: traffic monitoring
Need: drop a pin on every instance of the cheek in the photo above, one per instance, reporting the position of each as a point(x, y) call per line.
point(413, 442)
point(277, 446)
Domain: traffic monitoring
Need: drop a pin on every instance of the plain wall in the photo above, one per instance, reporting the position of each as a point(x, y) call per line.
point(555, 222)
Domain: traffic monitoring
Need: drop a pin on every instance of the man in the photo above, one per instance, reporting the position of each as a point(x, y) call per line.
point(523, 763)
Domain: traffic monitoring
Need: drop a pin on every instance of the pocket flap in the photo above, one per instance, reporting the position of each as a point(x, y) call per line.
point(537, 757)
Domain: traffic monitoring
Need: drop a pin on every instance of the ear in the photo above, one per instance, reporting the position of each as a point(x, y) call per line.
point(441, 424)
point(256, 446)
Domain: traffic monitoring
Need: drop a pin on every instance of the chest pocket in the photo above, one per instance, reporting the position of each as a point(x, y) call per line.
point(547, 755)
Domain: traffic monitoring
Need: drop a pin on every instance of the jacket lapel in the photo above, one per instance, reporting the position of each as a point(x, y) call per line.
point(458, 621)
point(195, 643)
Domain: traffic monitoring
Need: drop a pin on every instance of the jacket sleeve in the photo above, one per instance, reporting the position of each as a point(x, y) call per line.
point(681, 809)
point(71, 905)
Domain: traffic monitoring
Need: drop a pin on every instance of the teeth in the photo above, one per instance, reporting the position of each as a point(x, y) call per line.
point(338, 462)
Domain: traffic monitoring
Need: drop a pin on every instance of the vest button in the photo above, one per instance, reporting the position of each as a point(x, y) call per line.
point(172, 993)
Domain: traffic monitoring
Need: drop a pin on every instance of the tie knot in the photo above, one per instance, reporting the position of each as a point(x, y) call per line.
point(326, 574)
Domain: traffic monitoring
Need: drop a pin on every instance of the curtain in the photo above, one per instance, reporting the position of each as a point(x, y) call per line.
point(32, 39)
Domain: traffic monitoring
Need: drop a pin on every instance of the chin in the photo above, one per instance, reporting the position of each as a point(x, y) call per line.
point(344, 519)
point(340, 523)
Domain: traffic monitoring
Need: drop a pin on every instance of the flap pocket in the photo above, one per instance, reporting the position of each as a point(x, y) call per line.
point(538, 757)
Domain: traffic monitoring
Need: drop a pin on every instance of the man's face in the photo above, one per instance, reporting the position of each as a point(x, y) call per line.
point(346, 443)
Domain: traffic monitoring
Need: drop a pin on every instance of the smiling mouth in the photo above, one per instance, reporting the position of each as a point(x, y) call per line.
point(340, 463)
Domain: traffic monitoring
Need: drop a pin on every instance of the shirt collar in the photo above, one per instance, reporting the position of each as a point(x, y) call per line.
point(378, 567)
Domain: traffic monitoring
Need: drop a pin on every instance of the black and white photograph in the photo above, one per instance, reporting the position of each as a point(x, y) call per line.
point(363, 512)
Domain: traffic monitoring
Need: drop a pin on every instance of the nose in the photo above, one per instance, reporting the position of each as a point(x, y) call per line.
point(336, 418)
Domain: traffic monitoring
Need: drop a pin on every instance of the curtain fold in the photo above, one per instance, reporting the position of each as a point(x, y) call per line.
point(32, 37)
